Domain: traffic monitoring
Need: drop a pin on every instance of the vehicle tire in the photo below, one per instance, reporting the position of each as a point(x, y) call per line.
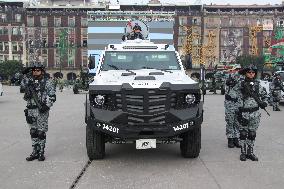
point(75, 90)
point(95, 143)
point(191, 144)
point(222, 90)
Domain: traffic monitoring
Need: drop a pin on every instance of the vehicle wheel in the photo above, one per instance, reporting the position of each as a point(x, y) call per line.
point(191, 144)
point(222, 90)
point(95, 143)
point(75, 90)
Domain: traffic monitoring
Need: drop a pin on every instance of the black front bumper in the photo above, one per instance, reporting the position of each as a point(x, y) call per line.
point(188, 120)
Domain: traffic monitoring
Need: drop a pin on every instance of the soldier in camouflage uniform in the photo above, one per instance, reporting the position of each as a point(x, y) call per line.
point(40, 96)
point(275, 88)
point(232, 131)
point(251, 96)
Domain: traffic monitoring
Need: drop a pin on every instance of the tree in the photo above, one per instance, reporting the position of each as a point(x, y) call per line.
point(245, 60)
point(9, 68)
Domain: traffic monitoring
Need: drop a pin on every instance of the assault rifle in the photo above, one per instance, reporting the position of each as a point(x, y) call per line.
point(30, 90)
point(247, 91)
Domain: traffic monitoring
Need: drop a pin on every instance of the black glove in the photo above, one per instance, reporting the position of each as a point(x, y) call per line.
point(28, 95)
point(262, 105)
point(44, 108)
point(231, 82)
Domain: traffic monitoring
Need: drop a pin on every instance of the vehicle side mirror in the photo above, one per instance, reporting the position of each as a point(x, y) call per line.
point(92, 62)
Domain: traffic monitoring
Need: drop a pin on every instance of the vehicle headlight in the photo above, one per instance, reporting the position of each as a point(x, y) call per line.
point(189, 98)
point(99, 100)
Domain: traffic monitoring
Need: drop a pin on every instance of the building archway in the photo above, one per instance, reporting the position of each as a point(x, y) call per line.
point(71, 76)
point(58, 75)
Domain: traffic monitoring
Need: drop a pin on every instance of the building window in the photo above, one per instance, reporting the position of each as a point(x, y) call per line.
point(15, 31)
point(44, 51)
point(84, 42)
point(6, 46)
point(44, 42)
point(56, 42)
point(3, 17)
point(85, 61)
point(30, 21)
point(3, 31)
point(14, 46)
point(57, 32)
point(1, 46)
point(71, 35)
point(180, 41)
point(18, 17)
point(57, 62)
point(71, 62)
point(43, 21)
point(182, 30)
point(84, 32)
point(182, 20)
point(20, 46)
point(71, 21)
point(84, 22)
point(57, 22)
point(45, 61)
point(44, 31)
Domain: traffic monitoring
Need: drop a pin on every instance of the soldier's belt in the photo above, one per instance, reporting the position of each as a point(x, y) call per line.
point(228, 97)
point(248, 109)
point(32, 107)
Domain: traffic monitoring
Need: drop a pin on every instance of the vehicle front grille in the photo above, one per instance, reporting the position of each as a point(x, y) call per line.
point(145, 105)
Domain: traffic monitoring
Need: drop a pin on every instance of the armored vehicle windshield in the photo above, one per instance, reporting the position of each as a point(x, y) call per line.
point(135, 60)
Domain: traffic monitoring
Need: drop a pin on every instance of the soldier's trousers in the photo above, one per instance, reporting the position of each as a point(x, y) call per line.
point(253, 123)
point(232, 130)
point(276, 96)
point(40, 124)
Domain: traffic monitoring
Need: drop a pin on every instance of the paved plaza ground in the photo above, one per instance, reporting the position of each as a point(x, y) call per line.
point(124, 166)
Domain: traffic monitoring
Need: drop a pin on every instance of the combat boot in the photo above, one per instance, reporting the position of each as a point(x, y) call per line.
point(251, 155)
point(41, 156)
point(237, 142)
point(231, 143)
point(243, 156)
point(277, 109)
point(34, 155)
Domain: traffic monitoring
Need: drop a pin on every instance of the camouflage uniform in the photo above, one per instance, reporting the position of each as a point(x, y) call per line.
point(37, 119)
point(251, 97)
point(275, 88)
point(232, 131)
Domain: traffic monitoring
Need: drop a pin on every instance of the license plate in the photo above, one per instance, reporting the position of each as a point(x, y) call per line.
point(145, 143)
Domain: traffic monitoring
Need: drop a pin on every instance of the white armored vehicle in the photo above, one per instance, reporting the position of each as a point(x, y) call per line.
point(141, 94)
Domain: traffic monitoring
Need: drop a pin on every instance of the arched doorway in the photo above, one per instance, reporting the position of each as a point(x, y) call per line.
point(58, 75)
point(71, 76)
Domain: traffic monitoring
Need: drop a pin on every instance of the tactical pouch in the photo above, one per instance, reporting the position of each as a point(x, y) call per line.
point(274, 94)
point(29, 119)
point(241, 120)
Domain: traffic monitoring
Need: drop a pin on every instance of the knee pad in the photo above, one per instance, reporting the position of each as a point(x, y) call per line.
point(243, 134)
point(34, 133)
point(251, 135)
point(41, 135)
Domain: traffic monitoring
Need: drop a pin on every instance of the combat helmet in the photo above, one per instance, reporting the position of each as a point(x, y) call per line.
point(137, 27)
point(37, 65)
point(250, 67)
